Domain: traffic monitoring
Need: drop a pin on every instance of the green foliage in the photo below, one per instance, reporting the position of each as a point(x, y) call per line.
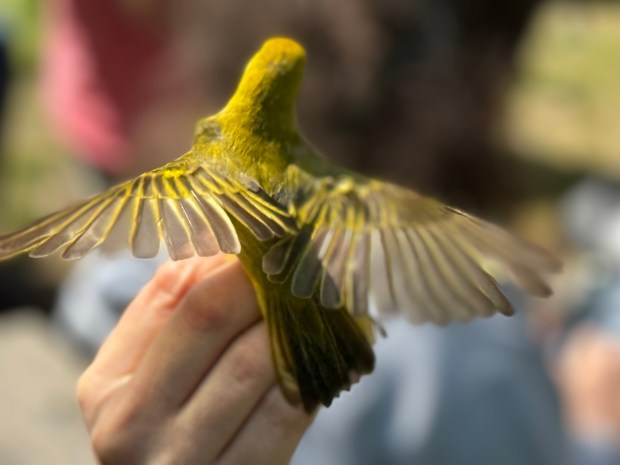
point(564, 107)
point(20, 21)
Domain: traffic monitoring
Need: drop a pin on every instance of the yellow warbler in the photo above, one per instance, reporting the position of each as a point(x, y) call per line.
point(321, 244)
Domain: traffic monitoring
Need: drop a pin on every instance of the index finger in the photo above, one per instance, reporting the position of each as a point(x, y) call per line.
point(122, 351)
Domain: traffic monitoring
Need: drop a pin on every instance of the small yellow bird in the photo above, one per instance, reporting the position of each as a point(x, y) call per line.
point(321, 244)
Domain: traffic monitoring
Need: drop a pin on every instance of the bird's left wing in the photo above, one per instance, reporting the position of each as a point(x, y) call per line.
point(184, 204)
point(363, 241)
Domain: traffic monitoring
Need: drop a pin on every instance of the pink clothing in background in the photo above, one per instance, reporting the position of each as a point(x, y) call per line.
point(97, 70)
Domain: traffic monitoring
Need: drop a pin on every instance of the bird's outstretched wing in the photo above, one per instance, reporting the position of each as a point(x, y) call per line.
point(380, 242)
point(184, 204)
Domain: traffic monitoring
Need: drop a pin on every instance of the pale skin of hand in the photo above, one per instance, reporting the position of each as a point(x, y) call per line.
point(588, 378)
point(186, 377)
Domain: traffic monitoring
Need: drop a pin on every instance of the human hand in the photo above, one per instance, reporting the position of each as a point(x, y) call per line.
point(588, 378)
point(187, 377)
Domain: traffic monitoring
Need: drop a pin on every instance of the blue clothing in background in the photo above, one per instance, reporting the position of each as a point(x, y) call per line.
point(467, 394)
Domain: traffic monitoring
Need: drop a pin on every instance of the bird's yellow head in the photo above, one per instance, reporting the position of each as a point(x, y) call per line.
point(270, 83)
point(279, 57)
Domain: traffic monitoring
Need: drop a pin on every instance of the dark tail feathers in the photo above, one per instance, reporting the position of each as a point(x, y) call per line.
point(317, 350)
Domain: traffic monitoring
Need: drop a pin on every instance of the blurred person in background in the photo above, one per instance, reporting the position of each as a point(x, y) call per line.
point(588, 363)
point(409, 91)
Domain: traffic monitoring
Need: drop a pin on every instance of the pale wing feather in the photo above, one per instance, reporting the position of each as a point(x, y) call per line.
point(383, 244)
point(184, 205)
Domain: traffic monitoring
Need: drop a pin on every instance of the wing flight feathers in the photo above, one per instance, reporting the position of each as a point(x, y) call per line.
point(387, 245)
point(188, 208)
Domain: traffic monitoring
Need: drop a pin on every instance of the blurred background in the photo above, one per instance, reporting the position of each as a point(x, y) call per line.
point(507, 109)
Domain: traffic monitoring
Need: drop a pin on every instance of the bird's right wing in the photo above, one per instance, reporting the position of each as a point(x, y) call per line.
point(184, 204)
point(373, 241)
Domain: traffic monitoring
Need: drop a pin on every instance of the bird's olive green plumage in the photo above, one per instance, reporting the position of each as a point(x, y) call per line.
point(321, 244)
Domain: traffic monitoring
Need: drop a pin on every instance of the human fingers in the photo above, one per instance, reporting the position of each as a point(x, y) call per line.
point(128, 415)
point(220, 405)
point(125, 347)
point(271, 435)
point(127, 343)
point(208, 319)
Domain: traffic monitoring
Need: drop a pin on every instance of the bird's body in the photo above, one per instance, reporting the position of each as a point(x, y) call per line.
point(321, 244)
